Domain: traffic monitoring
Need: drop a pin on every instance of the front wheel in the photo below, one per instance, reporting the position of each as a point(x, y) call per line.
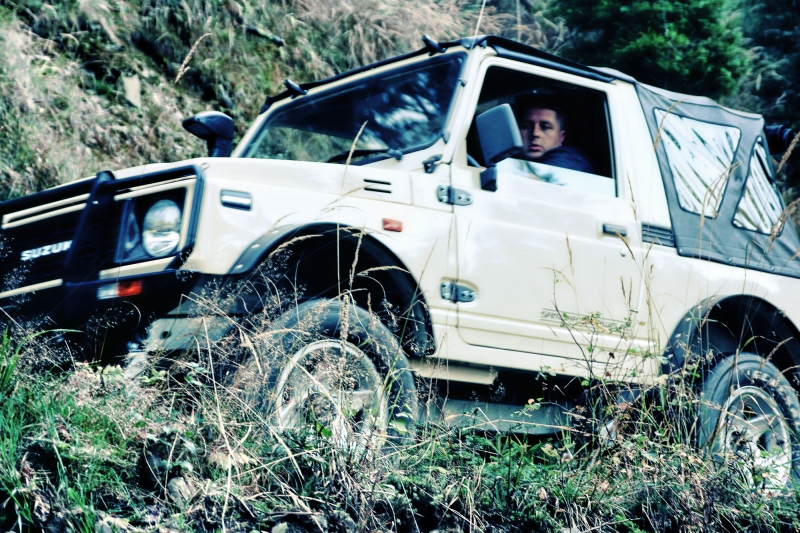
point(335, 369)
point(750, 413)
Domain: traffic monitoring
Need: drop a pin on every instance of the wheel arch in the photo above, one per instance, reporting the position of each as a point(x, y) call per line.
point(724, 325)
point(322, 259)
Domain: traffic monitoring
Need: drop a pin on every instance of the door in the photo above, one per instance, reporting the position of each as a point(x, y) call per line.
point(553, 254)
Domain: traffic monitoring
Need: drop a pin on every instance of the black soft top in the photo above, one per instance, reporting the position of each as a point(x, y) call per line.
point(718, 237)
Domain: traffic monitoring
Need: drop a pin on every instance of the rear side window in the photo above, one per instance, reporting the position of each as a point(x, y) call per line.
point(760, 206)
point(700, 156)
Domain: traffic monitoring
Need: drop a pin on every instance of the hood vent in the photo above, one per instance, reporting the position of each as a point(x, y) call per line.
point(657, 235)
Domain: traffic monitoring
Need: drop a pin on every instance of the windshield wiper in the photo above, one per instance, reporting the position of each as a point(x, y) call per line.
point(341, 156)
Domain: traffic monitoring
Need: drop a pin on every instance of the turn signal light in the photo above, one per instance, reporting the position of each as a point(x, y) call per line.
point(121, 289)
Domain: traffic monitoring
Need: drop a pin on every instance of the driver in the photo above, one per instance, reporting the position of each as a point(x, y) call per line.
point(541, 124)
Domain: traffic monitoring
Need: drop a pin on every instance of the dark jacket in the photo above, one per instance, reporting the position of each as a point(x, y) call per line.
point(566, 157)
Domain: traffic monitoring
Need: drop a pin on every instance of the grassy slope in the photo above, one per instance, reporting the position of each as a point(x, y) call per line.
point(85, 450)
point(62, 69)
point(174, 450)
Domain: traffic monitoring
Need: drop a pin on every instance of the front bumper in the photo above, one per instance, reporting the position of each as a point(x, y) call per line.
point(72, 305)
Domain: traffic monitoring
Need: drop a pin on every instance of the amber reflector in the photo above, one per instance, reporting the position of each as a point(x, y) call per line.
point(392, 225)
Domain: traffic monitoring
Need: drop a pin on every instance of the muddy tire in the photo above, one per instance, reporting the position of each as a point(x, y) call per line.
point(334, 369)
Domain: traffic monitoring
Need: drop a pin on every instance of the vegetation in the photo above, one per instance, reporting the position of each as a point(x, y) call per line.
point(772, 34)
point(176, 449)
point(105, 84)
point(684, 45)
point(772, 30)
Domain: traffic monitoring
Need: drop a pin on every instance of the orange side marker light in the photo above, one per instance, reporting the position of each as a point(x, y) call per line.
point(390, 224)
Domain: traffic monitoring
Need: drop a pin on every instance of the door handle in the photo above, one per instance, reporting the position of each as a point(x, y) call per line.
point(616, 231)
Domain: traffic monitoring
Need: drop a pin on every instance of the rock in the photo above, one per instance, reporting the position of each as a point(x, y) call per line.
point(133, 90)
point(179, 491)
point(287, 527)
point(110, 524)
point(136, 364)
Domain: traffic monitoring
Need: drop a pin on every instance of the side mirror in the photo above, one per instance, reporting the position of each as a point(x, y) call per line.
point(500, 138)
point(215, 128)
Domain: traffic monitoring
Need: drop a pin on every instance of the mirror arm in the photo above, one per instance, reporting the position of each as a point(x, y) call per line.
point(219, 146)
point(489, 179)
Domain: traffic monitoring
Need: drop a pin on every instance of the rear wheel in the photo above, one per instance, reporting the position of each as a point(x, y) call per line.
point(333, 368)
point(750, 414)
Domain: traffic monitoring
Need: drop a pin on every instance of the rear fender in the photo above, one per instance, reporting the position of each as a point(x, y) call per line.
point(729, 324)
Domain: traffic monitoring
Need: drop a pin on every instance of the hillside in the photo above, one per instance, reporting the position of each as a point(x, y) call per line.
point(93, 84)
point(87, 85)
point(90, 85)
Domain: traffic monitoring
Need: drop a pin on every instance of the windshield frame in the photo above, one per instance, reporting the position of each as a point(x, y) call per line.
point(459, 56)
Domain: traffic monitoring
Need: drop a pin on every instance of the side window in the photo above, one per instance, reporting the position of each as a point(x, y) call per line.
point(760, 206)
point(700, 156)
point(564, 127)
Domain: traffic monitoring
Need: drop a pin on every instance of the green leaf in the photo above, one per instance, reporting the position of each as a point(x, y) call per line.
point(322, 431)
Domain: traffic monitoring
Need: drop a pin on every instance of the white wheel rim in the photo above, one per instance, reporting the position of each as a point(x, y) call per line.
point(332, 384)
point(752, 428)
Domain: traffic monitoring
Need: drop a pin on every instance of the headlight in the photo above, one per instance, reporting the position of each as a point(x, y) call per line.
point(161, 229)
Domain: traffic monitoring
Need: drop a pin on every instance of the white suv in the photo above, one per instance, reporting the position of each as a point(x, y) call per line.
point(387, 184)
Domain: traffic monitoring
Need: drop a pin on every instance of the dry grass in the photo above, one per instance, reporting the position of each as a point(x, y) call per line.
point(64, 111)
point(56, 131)
point(178, 450)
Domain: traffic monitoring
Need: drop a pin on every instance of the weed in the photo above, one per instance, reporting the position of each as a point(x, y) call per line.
point(177, 449)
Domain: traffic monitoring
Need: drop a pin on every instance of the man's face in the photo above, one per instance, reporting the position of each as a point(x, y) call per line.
point(540, 131)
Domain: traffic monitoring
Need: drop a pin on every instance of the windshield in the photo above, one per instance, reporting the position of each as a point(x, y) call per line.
point(400, 111)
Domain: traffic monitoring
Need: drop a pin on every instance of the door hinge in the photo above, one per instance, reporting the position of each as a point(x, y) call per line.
point(453, 196)
point(457, 293)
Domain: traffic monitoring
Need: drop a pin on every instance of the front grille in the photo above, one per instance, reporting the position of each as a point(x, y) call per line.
point(38, 238)
point(34, 237)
